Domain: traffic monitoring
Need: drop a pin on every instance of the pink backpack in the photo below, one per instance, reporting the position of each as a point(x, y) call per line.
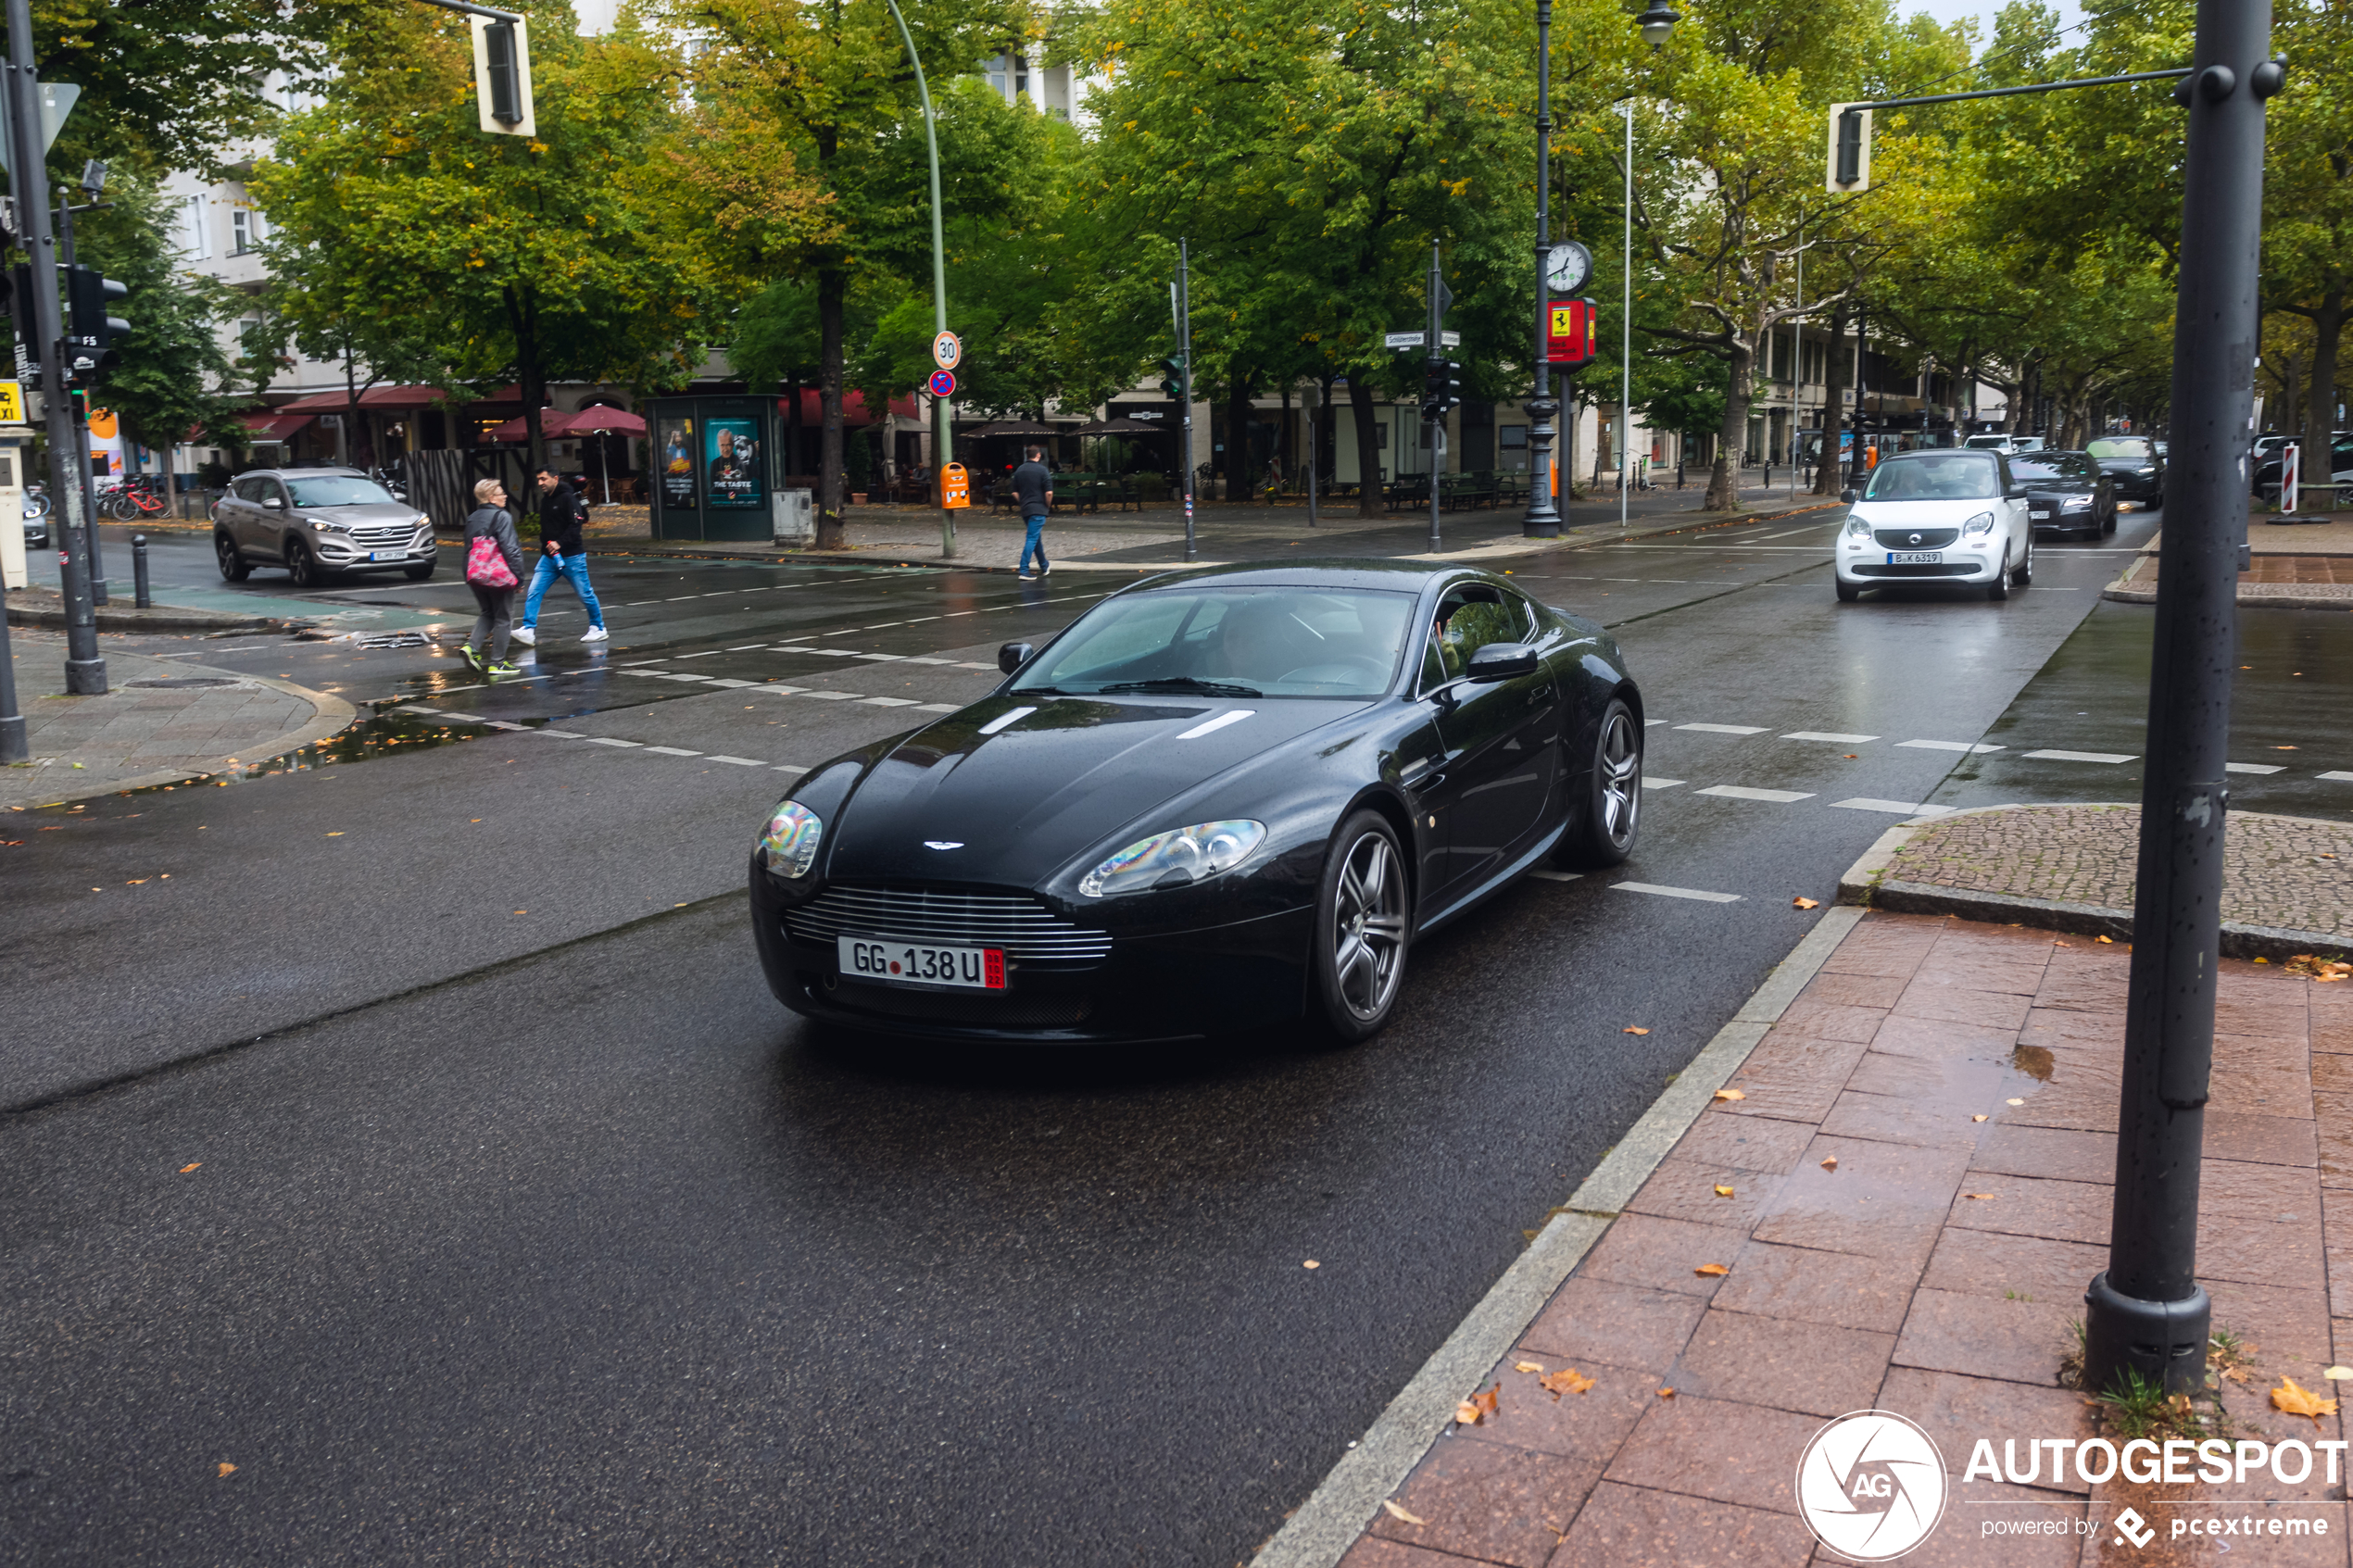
point(486, 565)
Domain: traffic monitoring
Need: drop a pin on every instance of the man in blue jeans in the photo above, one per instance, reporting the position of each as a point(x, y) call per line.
point(562, 553)
point(1034, 488)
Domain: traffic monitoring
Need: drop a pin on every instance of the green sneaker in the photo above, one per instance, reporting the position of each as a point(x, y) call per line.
point(504, 667)
point(473, 657)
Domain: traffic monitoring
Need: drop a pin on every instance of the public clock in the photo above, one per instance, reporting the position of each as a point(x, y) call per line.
point(1566, 265)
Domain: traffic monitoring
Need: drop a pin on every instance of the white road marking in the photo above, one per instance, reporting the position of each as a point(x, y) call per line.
point(696, 679)
point(2075, 755)
point(1649, 782)
point(673, 751)
point(893, 658)
point(607, 740)
point(1648, 723)
point(2255, 768)
point(1741, 792)
point(663, 674)
point(1676, 892)
point(731, 683)
point(1830, 735)
point(1786, 532)
point(1232, 716)
point(1894, 808)
point(889, 701)
point(1010, 716)
point(1945, 745)
point(915, 659)
point(503, 724)
point(969, 664)
point(748, 648)
point(831, 696)
point(1725, 729)
point(1557, 876)
point(739, 761)
point(632, 664)
point(788, 768)
point(706, 653)
point(566, 735)
point(935, 708)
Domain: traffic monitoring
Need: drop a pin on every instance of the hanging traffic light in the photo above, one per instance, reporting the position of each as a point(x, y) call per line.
point(91, 331)
point(1172, 376)
point(502, 74)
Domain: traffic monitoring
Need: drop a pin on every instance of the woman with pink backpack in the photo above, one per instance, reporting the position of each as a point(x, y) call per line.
point(494, 568)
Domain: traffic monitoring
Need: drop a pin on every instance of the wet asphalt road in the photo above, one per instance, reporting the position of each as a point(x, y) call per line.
point(525, 1224)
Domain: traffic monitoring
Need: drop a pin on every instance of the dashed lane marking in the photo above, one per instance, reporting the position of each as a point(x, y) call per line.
point(739, 761)
point(1649, 783)
point(2255, 768)
point(673, 751)
point(1945, 745)
point(1725, 729)
point(1894, 808)
point(1557, 876)
point(891, 701)
point(609, 740)
point(1830, 735)
point(2076, 756)
point(1701, 894)
point(1741, 792)
point(2338, 776)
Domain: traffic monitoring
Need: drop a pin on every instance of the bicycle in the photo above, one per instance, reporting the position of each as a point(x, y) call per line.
point(134, 498)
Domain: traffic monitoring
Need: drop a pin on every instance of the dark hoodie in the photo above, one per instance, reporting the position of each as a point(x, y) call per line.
point(561, 517)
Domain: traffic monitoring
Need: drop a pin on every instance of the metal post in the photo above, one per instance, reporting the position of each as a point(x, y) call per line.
point(1626, 346)
point(14, 746)
point(2146, 1312)
point(85, 669)
point(139, 572)
point(1315, 454)
point(942, 437)
point(1797, 366)
point(1435, 418)
point(1185, 355)
point(98, 595)
point(1544, 519)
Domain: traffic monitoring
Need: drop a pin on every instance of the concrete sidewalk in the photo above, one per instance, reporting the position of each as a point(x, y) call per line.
point(162, 721)
point(1895, 1203)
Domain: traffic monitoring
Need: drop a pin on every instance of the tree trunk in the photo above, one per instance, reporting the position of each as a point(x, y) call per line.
point(1237, 480)
point(1826, 480)
point(351, 411)
point(792, 429)
point(2319, 422)
point(1724, 478)
point(832, 292)
point(1368, 476)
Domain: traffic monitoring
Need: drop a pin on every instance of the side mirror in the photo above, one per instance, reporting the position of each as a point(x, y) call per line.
point(1500, 662)
point(1013, 656)
point(275, 503)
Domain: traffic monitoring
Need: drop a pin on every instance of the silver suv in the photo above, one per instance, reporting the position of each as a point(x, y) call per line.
point(314, 521)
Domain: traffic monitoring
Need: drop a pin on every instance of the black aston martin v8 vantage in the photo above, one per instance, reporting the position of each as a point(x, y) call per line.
point(1218, 799)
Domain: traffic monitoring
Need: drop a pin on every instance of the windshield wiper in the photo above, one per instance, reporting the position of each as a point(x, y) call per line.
point(1183, 683)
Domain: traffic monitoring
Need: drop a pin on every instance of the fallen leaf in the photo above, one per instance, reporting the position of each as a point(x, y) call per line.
point(1979, 1117)
point(1397, 1512)
point(2110, 940)
point(227, 1468)
point(2286, 748)
point(1633, 1029)
point(1311, 1263)
point(1568, 1380)
point(1666, 1393)
point(1713, 1270)
point(1730, 1094)
point(2338, 1373)
point(522, 911)
point(1723, 1191)
point(2297, 1401)
point(1476, 1409)
point(1528, 1366)
point(1977, 1195)
point(1830, 1163)
point(1802, 903)
point(2010, 1102)
point(334, 835)
point(1851, 756)
point(190, 1166)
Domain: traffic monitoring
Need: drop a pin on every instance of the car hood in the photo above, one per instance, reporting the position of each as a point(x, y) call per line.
point(1057, 784)
point(373, 514)
point(2125, 465)
point(1922, 514)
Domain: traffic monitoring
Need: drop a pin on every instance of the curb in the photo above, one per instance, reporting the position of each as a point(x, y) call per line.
point(1323, 1527)
point(334, 714)
point(1865, 884)
point(162, 618)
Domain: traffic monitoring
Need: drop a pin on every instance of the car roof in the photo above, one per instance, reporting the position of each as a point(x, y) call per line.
point(307, 471)
point(1395, 576)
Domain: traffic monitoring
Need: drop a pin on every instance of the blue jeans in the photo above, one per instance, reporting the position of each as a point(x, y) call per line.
point(1036, 544)
point(543, 577)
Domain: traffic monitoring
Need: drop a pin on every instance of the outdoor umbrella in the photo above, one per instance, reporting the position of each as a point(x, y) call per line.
point(604, 421)
point(1119, 427)
point(1014, 427)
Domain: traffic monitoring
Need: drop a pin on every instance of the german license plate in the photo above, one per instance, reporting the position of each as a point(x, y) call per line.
point(387, 554)
point(2038, 511)
point(894, 962)
point(1914, 557)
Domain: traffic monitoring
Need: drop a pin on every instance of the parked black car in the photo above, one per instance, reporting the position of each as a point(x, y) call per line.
point(1218, 799)
point(2136, 465)
point(2067, 492)
point(2268, 474)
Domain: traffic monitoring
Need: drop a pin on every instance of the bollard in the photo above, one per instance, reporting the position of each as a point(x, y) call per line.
point(139, 572)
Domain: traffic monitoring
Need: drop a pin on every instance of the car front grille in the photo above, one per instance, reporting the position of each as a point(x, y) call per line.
point(382, 536)
point(1916, 538)
point(1916, 569)
point(976, 1009)
point(1017, 922)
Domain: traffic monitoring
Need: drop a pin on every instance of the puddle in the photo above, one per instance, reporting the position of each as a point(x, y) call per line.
point(2034, 1061)
point(384, 735)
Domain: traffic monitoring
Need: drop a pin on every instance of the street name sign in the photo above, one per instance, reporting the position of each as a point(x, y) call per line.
point(1420, 339)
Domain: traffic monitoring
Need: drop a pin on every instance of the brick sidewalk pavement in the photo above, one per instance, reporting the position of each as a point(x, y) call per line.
point(1963, 1078)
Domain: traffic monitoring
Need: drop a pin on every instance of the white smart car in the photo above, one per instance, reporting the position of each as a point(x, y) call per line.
point(1945, 515)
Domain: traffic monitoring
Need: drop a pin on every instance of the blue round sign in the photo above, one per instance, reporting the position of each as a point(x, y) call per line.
point(942, 383)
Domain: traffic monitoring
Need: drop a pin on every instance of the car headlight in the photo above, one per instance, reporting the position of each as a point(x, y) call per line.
point(318, 527)
point(2077, 504)
point(423, 521)
point(1857, 528)
point(1982, 523)
point(1174, 859)
point(789, 843)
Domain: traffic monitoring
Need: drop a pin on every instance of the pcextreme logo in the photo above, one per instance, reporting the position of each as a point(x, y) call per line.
point(1871, 1485)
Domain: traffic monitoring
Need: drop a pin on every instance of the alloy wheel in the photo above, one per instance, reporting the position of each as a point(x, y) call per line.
point(1620, 785)
point(1368, 927)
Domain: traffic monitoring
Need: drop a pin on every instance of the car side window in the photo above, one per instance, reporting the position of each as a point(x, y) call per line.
point(1467, 619)
point(271, 489)
point(247, 489)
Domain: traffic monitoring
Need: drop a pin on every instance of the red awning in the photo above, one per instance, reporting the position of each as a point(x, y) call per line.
point(374, 397)
point(269, 426)
point(853, 408)
point(551, 424)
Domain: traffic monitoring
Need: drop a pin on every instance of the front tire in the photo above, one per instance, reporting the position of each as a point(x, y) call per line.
point(2025, 573)
point(231, 560)
point(1848, 591)
point(301, 565)
point(1362, 914)
point(421, 571)
point(1603, 832)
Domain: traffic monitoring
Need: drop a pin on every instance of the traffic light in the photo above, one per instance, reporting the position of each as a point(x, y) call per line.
point(1172, 376)
point(1850, 151)
point(1441, 387)
point(502, 75)
point(91, 331)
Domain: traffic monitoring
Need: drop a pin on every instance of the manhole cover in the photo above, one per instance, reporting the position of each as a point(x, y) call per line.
point(183, 683)
point(392, 640)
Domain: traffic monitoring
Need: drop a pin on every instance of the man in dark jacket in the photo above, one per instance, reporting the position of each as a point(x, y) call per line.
point(1034, 488)
point(563, 515)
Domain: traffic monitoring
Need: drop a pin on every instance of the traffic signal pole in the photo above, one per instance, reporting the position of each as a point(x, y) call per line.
point(2147, 1313)
point(98, 596)
point(943, 437)
point(1185, 351)
point(1436, 414)
point(85, 670)
point(1544, 519)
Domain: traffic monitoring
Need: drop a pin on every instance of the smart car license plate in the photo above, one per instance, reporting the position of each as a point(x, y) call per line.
point(894, 962)
point(1914, 557)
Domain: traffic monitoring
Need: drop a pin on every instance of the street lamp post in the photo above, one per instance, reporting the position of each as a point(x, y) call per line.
point(1544, 519)
point(942, 440)
point(1657, 25)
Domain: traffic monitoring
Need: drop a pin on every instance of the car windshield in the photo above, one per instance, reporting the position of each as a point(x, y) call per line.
point(2117, 446)
point(2042, 469)
point(339, 491)
point(1946, 476)
point(1232, 642)
point(1990, 443)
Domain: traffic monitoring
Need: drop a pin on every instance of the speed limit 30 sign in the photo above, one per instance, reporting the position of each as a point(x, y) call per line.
point(946, 351)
